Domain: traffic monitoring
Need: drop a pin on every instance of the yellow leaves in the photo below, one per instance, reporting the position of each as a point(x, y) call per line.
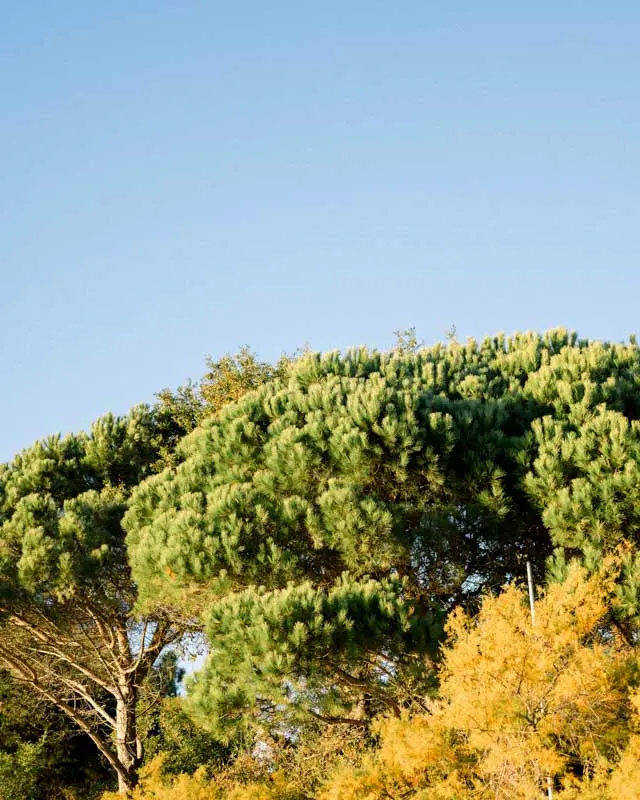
point(635, 702)
point(419, 751)
point(534, 698)
point(277, 788)
point(414, 753)
point(154, 785)
point(625, 781)
point(519, 704)
point(502, 675)
point(609, 782)
point(355, 785)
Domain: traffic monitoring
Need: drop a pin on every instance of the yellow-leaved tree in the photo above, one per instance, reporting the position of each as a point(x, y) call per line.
point(522, 707)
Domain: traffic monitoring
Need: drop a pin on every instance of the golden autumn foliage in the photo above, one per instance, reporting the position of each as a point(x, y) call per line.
point(156, 785)
point(300, 771)
point(519, 705)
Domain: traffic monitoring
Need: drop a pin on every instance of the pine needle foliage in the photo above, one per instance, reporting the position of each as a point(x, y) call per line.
point(443, 469)
point(284, 654)
point(68, 630)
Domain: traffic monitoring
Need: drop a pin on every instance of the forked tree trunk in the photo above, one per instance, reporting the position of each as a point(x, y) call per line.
point(74, 658)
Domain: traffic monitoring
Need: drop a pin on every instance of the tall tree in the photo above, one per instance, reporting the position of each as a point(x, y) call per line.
point(440, 470)
point(69, 631)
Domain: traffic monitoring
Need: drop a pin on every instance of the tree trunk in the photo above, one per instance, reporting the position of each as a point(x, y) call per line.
point(128, 743)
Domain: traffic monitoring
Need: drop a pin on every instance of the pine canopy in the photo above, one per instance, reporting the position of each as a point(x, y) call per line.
point(438, 472)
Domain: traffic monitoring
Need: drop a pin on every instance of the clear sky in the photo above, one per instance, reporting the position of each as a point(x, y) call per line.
point(180, 178)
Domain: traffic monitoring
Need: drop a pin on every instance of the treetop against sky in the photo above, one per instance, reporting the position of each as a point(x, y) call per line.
point(185, 179)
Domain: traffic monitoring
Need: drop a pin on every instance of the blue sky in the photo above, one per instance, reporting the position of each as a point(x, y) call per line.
point(183, 178)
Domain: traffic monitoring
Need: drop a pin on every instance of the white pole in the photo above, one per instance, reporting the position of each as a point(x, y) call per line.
point(532, 606)
point(532, 598)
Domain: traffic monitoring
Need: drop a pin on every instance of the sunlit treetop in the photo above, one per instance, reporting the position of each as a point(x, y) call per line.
point(446, 462)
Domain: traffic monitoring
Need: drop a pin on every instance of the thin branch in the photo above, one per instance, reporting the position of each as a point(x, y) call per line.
point(80, 689)
point(151, 705)
point(361, 723)
point(28, 676)
point(55, 653)
point(56, 643)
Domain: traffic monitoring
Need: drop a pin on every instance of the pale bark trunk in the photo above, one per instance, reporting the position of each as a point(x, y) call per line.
point(128, 743)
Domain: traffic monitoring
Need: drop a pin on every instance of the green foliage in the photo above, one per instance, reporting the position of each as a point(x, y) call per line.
point(40, 752)
point(225, 381)
point(62, 501)
point(318, 521)
point(68, 628)
point(345, 638)
point(67, 623)
point(184, 746)
point(326, 473)
point(448, 466)
point(21, 772)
